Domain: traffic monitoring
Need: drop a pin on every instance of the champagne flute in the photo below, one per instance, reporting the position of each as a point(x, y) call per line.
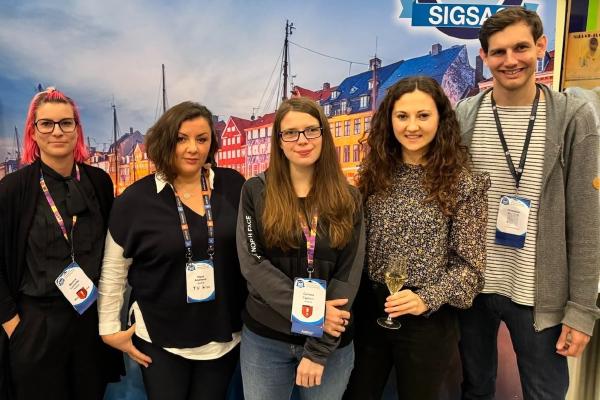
point(395, 276)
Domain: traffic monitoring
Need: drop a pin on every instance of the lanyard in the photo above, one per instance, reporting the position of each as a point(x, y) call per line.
point(310, 233)
point(185, 229)
point(57, 216)
point(517, 173)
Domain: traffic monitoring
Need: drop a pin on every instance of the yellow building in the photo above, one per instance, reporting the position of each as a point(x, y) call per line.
point(347, 131)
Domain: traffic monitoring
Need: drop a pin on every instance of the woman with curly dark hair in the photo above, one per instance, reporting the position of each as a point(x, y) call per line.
point(426, 211)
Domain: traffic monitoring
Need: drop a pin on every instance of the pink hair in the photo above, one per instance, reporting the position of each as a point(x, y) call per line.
point(31, 151)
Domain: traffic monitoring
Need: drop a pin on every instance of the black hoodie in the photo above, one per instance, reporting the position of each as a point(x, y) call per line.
point(270, 273)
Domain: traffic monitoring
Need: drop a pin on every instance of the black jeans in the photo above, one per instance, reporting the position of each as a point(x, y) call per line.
point(56, 353)
point(172, 377)
point(544, 374)
point(422, 350)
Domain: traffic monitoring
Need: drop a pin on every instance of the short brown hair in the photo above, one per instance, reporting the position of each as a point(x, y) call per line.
point(507, 17)
point(161, 138)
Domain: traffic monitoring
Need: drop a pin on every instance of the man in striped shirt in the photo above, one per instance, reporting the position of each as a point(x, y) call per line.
point(541, 149)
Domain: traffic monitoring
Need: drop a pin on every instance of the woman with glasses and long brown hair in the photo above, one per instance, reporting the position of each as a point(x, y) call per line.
point(426, 212)
point(54, 215)
point(301, 246)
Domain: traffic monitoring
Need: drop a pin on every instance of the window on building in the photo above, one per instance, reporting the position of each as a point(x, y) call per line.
point(356, 153)
point(367, 124)
point(370, 84)
point(347, 127)
point(238, 153)
point(268, 131)
point(347, 153)
point(334, 94)
point(343, 106)
point(327, 109)
point(337, 151)
point(262, 132)
point(356, 126)
point(338, 128)
point(364, 101)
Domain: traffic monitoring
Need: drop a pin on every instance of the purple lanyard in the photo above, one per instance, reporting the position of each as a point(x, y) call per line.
point(185, 229)
point(57, 217)
point(310, 233)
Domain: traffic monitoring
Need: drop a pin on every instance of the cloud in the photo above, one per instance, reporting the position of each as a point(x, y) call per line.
point(220, 53)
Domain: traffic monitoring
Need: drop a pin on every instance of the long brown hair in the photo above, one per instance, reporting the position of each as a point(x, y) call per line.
point(445, 159)
point(330, 193)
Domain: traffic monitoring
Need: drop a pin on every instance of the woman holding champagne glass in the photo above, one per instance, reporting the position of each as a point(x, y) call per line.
point(426, 217)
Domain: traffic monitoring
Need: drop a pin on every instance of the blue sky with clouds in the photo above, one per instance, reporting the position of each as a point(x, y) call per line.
point(220, 53)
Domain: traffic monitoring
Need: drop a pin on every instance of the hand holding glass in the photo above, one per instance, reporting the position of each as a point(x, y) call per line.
point(395, 276)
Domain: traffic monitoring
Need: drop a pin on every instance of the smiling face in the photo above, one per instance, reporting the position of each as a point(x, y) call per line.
point(512, 57)
point(57, 144)
point(415, 120)
point(193, 145)
point(304, 152)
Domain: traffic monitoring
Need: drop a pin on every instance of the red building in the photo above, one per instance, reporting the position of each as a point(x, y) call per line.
point(258, 144)
point(232, 153)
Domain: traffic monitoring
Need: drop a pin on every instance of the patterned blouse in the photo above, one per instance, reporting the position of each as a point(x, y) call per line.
point(446, 255)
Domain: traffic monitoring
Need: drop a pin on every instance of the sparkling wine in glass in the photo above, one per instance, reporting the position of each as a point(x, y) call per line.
point(395, 277)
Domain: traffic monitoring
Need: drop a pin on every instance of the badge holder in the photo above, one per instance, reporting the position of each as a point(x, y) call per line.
point(511, 224)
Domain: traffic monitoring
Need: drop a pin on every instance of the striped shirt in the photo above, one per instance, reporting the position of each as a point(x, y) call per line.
point(509, 271)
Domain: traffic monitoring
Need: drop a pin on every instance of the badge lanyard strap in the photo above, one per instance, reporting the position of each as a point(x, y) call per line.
point(310, 233)
point(517, 173)
point(57, 216)
point(185, 229)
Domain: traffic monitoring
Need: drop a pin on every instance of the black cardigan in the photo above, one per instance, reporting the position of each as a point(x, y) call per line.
point(19, 193)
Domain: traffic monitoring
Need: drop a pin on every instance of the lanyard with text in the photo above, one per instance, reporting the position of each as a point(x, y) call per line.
point(517, 173)
point(308, 302)
point(310, 233)
point(73, 283)
point(200, 279)
point(185, 229)
point(57, 216)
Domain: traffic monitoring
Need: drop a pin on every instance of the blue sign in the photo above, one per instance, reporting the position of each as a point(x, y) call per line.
point(461, 21)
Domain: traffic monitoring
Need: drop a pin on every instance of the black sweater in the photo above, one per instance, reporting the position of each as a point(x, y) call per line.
point(146, 225)
point(19, 194)
point(270, 273)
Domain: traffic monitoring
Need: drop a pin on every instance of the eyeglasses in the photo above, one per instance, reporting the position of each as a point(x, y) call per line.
point(292, 135)
point(67, 125)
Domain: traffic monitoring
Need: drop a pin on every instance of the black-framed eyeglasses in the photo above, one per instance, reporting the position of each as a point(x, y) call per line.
point(292, 135)
point(67, 125)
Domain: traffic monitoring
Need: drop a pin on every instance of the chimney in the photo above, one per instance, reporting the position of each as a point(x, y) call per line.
point(478, 69)
point(374, 63)
point(436, 49)
point(131, 130)
point(326, 86)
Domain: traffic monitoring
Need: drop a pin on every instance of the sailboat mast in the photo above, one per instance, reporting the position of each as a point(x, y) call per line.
point(286, 55)
point(18, 147)
point(164, 90)
point(116, 153)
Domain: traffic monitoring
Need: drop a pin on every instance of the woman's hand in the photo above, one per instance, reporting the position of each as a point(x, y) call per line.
point(309, 373)
point(10, 325)
point(122, 341)
point(404, 302)
point(335, 319)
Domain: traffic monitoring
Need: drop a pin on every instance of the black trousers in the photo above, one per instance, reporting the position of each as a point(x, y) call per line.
point(422, 351)
point(171, 377)
point(55, 353)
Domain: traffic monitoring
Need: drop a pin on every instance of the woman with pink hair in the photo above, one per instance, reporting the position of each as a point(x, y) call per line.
point(54, 214)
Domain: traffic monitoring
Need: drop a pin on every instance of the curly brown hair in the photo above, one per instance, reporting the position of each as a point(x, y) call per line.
point(445, 158)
